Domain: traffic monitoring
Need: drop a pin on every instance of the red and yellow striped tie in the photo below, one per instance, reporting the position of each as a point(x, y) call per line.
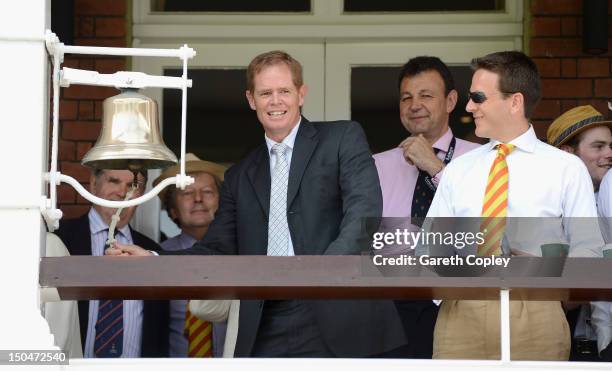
point(199, 336)
point(495, 205)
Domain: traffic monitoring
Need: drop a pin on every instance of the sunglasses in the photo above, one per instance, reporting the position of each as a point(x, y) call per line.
point(479, 97)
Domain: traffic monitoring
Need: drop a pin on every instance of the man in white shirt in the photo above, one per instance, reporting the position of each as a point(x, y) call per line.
point(540, 181)
point(584, 132)
point(601, 312)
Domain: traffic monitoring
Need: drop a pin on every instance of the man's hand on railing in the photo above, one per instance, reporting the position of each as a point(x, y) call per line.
point(127, 250)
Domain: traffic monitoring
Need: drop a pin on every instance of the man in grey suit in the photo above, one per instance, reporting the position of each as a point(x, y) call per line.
point(305, 191)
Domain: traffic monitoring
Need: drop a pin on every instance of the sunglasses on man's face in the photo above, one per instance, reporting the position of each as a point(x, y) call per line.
point(477, 97)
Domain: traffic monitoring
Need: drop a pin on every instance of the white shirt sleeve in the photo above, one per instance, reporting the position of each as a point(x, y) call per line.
point(580, 212)
point(601, 320)
point(601, 312)
point(604, 206)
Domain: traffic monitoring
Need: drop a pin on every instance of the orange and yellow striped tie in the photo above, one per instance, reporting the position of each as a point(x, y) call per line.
point(495, 205)
point(199, 336)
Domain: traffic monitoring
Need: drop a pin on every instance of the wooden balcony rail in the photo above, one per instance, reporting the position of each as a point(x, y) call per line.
point(319, 277)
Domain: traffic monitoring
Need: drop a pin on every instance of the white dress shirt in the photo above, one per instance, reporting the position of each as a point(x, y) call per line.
point(289, 141)
point(604, 206)
point(544, 182)
point(601, 311)
point(132, 309)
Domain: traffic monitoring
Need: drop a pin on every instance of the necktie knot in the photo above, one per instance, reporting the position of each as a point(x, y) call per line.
point(504, 150)
point(280, 149)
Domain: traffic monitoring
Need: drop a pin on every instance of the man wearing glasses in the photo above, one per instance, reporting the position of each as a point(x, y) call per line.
point(514, 175)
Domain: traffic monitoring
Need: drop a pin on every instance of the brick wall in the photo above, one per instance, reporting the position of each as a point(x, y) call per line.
point(96, 23)
point(569, 76)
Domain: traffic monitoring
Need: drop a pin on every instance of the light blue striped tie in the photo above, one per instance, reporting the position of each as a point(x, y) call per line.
point(278, 229)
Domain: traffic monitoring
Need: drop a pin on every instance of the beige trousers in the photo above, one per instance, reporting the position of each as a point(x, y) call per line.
point(470, 329)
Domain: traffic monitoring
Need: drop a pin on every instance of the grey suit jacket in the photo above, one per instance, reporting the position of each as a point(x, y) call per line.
point(333, 185)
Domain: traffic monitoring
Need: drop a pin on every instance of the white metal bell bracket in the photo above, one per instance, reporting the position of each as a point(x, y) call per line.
point(121, 79)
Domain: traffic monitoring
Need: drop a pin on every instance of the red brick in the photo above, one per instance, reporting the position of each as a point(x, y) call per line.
point(568, 68)
point(593, 67)
point(65, 150)
point(89, 92)
point(568, 104)
point(66, 194)
point(568, 88)
point(80, 130)
point(546, 26)
point(110, 27)
point(87, 64)
point(556, 7)
point(603, 87)
point(84, 27)
point(548, 67)
point(110, 65)
point(599, 104)
point(98, 110)
point(540, 127)
point(82, 200)
point(86, 110)
point(117, 42)
point(68, 109)
point(555, 47)
point(97, 7)
point(569, 26)
point(609, 53)
point(71, 62)
point(547, 109)
point(82, 148)
point(73, 211)
point(75, 170)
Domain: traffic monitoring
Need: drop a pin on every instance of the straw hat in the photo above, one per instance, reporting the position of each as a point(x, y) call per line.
point(192, 165)
point(573, 122)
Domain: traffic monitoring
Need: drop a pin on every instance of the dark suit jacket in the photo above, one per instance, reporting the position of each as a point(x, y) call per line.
point(333, 184)
point(155, 324)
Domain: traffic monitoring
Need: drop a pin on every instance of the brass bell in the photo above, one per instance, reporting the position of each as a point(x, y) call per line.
point(130, 137)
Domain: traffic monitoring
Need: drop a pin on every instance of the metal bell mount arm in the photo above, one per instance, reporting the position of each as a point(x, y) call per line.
point(121, 79)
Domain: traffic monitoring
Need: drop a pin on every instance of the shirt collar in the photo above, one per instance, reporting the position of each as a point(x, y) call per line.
point(186, 239)
point(97, 224)
point(289, 140)
point(525, 142)
point(444, 141)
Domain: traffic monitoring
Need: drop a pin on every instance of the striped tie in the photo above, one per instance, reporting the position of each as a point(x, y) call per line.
point(109, 329)
point(199, 336)
point(495, 205)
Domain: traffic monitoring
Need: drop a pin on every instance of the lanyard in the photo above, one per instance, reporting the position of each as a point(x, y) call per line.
point(447, 158)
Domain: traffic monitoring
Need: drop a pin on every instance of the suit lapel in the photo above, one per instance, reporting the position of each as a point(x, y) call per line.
point(305, 143)
point(259, 175)
point(82, 237)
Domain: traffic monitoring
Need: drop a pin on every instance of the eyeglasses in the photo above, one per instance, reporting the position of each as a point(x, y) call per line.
point(479, 97)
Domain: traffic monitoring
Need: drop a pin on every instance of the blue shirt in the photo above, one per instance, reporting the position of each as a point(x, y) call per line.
point(132, 309)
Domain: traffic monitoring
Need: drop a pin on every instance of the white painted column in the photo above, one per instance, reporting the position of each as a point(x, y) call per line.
point(24, 102)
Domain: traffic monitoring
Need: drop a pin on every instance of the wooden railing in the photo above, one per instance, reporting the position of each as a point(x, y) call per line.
point(318, 277)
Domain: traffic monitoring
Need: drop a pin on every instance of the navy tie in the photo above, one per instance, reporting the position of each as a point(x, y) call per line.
point(109, 328)
point(422, 197)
